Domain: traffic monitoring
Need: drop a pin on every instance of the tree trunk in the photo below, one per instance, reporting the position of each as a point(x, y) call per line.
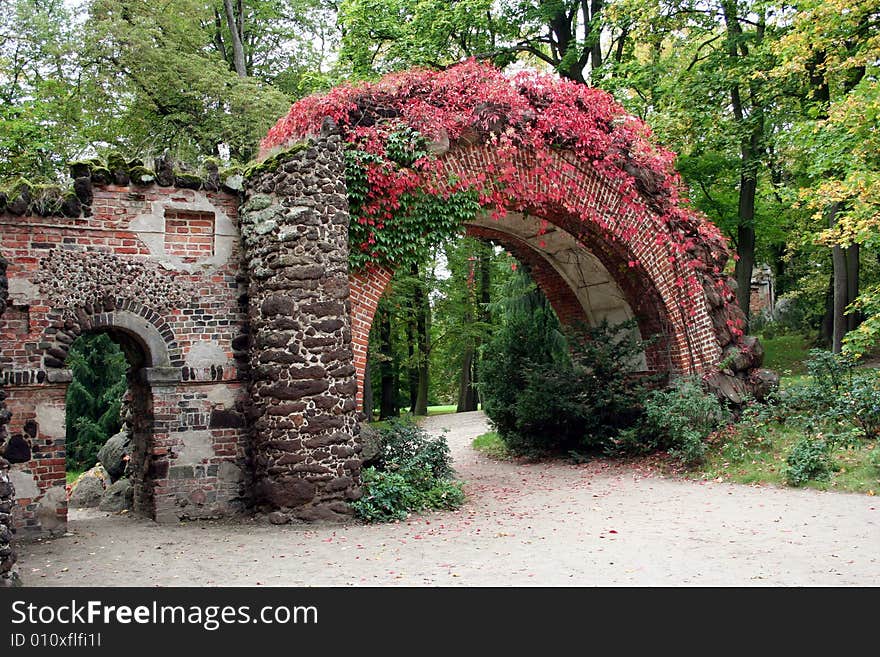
point(412, 369)
point(388, 402)
point(484, 296)
point(596, 50)
point(745, 249)
point(234, 24)
point(852, 285)
point(838, 261)
point(826, 330)
point(368, 394)
point(750, 153)
point(423, 327)
point(467, 399)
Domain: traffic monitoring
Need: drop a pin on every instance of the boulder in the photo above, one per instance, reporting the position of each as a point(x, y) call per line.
point(87, 491)
point(118, 497)
point(764, 382)
point(115, 453)
point(371, 441)
point(729, 388)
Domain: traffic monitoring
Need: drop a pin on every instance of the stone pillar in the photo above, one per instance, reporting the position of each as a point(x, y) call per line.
point(305, 431)
point(8, 576)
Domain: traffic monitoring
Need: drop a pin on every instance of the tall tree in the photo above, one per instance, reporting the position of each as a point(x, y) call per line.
point(386, 35)
point(40, 109)
point(152, 65)
point(831, 57)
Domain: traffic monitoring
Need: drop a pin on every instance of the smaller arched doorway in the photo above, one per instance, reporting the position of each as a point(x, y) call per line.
point(37, 401)
point(114, 405)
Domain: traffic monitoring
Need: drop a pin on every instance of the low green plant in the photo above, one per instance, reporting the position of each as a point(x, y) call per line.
point(403, 445)
point(874, 459)
point(411, 472)
point(837, 395)
point(808, 460)
point(681, 418)
point(389, 496)
point(491, 445)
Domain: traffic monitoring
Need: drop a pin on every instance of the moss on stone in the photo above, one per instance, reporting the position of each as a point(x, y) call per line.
point(21, 186)
point(116, 163)
point(141, 175)
point(231, 170)
point(272, 163)
point(211, 164)
point(80, 168)
point(187, 180)
point(101, 176)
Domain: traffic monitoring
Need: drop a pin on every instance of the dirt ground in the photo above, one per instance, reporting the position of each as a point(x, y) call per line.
point(547, 524)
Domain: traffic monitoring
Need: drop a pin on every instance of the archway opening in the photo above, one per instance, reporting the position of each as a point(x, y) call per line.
point(108, 411)
point(424, 328)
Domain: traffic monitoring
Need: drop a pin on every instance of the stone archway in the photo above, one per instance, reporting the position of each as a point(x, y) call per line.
point(151, 378)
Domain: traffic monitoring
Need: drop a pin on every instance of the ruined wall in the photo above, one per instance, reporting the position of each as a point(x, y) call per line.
point(305, 434)
point(157, 266)
point(8, 576)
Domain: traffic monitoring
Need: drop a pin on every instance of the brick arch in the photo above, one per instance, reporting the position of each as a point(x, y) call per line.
point(561, 297)
point(138, 325)
point(642, 301)
point(624, 236)
point(368, 286)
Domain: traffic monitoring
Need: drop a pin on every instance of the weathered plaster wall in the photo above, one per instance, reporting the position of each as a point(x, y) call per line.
point(177, 310)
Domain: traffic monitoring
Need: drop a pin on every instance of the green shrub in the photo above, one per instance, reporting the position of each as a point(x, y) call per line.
point(837, 393)
point(874, 459)
point(860, 403)
point(808, 460)
point(681, 418)
point(568, 402)
point(386, 496)
point(411, 472)
point(403, 445)
point(389, 496)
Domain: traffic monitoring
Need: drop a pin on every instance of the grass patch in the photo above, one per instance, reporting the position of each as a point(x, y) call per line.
point(491, 445)
point(786, 353)
point(73, 475)
point(763, 461)
point(442, 410)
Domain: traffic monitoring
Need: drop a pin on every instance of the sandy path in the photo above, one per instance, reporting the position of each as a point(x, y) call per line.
point(538, 524)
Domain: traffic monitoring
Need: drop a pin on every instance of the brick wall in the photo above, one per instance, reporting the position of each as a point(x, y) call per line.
point(189, 235)
point(367, 287)
point(158, 268)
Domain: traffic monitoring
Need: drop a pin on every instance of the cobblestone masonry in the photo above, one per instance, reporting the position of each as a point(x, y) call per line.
point(305, 431)
point(8, 577)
